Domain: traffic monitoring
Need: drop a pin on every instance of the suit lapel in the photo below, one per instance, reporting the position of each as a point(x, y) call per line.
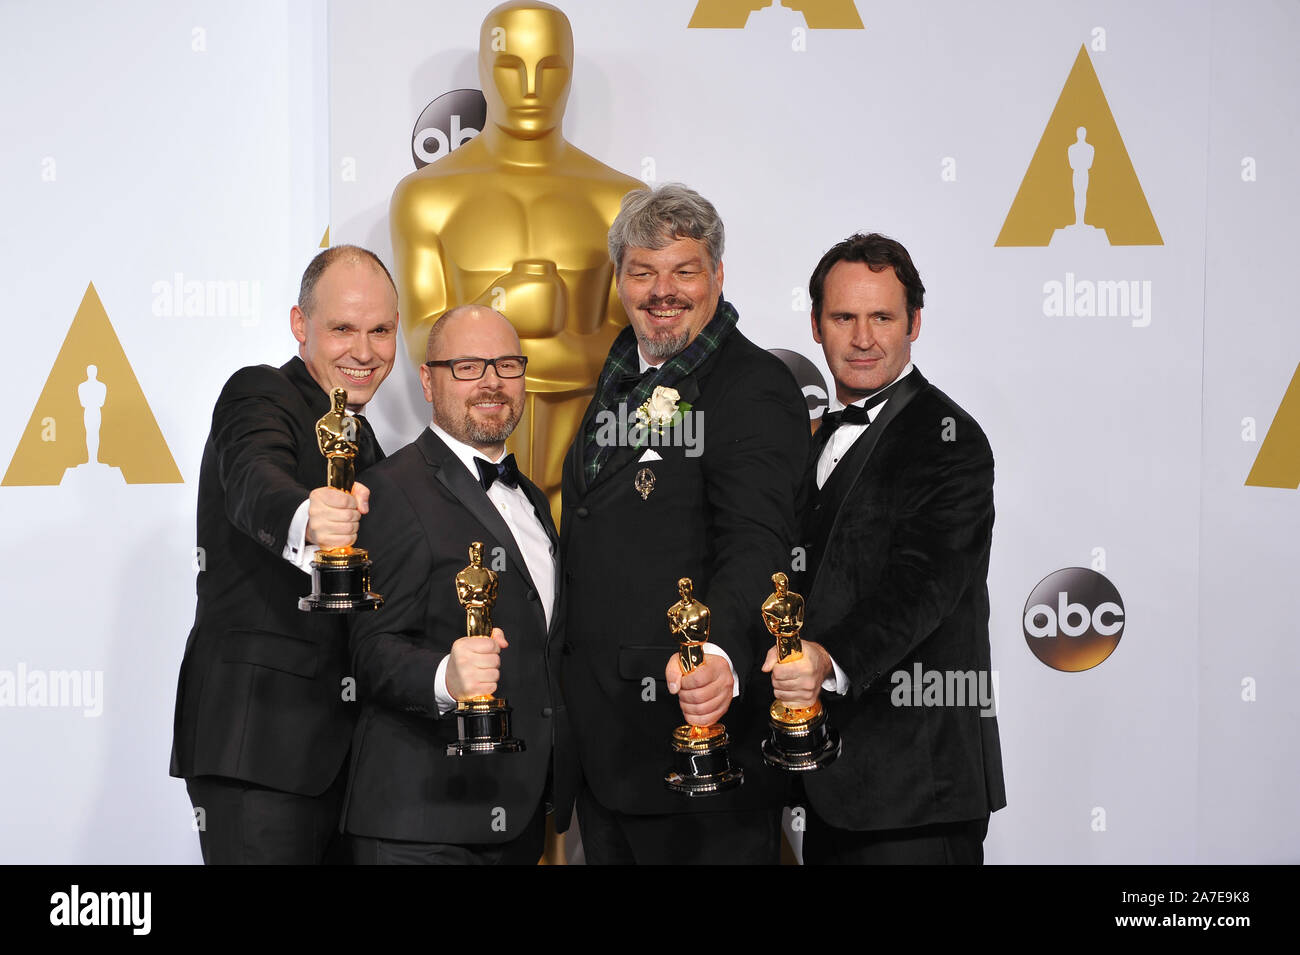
point(688, 391)
point(456, 478)
point(846, 475)
point(543, 508)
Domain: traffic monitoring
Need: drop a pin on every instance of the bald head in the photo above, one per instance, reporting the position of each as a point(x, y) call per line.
point(465, 321)
point(480, 412)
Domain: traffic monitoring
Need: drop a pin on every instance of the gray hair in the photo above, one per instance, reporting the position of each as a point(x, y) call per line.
point(653, 218)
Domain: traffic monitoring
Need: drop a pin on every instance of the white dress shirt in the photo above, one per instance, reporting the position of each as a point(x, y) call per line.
point(529, 534)
point(838, 446)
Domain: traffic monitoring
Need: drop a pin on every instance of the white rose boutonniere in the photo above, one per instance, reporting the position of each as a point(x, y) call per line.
point(660, 411)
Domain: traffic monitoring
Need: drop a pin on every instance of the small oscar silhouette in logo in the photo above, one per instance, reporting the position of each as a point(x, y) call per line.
point(800, 740)
point(701, 766)
point(483, 721)
point(340, 576)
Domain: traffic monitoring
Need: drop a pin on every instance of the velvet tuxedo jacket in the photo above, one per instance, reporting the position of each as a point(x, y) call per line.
point(425, 510)
point(260, 695)
point(898, 541)
point(726, 518)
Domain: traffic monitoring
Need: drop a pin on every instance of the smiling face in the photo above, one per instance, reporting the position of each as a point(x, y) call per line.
point(349, 338)
point(525, 64)
point(669, 294)
point(479, 413)
point(863, 329)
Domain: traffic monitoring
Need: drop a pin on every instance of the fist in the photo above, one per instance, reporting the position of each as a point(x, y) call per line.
point(334, 516)
point(798, 683)
point(705, 692)
point(474, 666)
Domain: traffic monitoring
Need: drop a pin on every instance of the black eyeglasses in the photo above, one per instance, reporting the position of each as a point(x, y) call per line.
point(471, 369)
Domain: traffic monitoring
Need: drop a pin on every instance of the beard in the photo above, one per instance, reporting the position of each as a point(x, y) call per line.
point(665, 343)
point(466, 428)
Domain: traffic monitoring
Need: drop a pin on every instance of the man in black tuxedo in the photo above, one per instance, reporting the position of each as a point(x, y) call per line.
point(715, 504)
point(407, 800)
point(898, 538)
point(262, 725)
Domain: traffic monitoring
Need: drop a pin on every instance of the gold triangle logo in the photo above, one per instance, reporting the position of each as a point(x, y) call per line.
point(325, 239)
point(1278, 461)
point(1080, 183)
point(734, 14)
point(92, 422)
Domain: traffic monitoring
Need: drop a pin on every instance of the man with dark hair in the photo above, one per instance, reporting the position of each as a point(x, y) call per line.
point(644, 507)
point(263, 715)
point(898, 538)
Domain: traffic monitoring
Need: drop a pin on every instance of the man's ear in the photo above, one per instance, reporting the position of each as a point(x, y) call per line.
point(298, 324)
point(426, 382)
point(816, 328)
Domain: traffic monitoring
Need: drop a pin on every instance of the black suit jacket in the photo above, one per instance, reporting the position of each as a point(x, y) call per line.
point(898, 541)
point(425, 510)
point(725, 518)
point(261, 696)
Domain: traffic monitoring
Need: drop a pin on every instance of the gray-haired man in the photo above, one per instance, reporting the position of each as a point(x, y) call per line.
point(713, 498)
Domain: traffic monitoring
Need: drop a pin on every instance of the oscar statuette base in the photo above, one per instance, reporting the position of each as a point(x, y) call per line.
point(484, 726)
point(800, 740)
point(340, 580)
point(701, 765)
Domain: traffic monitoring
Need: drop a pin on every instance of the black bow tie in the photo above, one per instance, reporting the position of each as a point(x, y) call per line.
point(505, 471)
point(854, 414)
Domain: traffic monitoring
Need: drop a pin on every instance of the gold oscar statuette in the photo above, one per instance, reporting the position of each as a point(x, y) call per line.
point(340, 576)
point(800, 740)
point(700, 763)
point(483, 721)
point(517, 220)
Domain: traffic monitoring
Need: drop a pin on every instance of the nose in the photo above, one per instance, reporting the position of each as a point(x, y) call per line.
point(863, 335)
point(362, 352)
point(663, 285)
point(532, 76)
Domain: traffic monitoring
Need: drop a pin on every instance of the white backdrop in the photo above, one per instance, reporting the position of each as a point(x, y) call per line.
point(219, 141)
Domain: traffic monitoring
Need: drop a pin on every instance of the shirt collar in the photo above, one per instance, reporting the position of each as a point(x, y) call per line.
point(835, 404)
point(463, 451)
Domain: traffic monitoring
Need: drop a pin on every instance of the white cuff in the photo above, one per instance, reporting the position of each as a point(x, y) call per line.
point(735, 679)
point(838, 682)
point(296, 549)
point(446, 702)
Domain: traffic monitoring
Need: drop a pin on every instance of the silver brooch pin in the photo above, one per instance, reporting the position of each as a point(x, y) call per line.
point(644, 483)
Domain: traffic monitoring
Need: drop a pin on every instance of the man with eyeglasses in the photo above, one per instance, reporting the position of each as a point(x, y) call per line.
point(408, 801)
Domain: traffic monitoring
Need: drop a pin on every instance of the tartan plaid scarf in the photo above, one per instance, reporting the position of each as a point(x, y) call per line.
point(622, 364)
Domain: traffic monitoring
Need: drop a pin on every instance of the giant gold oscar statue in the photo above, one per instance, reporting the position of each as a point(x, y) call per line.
point(517, 219)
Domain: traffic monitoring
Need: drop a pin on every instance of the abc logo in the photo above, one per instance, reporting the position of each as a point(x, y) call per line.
point(1074, 619)
point(451, 120)
point(810, 380)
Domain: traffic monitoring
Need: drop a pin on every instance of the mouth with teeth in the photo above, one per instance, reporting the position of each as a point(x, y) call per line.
point(664, 311)
point(489, 404)
point(358, 375)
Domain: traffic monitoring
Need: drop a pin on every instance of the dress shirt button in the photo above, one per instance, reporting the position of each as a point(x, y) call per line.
point(582, 512)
